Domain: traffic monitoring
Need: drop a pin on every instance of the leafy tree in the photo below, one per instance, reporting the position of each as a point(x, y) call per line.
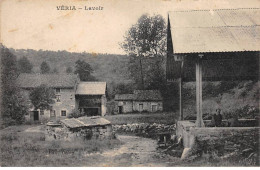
point(13, 108)
point(84, 71)
point(42, 97)
point(45, 68)
point(144, 41)
point(69, 70)
point(24, 65)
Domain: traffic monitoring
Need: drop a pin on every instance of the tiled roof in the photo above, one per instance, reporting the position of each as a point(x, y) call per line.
point(91, 88)
point(85, 122)
point(124, 97)
point(223, 30)
point(150, 95)
point(51, 80)
point(140, 95)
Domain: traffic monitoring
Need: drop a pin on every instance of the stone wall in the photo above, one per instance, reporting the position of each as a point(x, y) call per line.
point(147, 106)
point(67, 103)
point(145, 129)
point(222, 141)
point(60, 132)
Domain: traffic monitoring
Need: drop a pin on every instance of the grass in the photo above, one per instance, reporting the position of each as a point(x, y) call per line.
point(162, 118)
point(20, 148)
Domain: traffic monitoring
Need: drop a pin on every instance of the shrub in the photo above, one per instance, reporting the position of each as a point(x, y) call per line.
point(75, 114)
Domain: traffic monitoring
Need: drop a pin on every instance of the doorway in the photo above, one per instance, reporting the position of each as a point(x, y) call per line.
point(35, 115)
point(120, 109)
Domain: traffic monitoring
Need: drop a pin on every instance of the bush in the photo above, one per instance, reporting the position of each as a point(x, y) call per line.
point(75, 114)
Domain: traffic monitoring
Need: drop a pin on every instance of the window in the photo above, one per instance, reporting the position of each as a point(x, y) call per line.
point(154, 108)
point(58, 90)
point(124, 102)
point(58, 98)
point(63, 113)
point(41, 112)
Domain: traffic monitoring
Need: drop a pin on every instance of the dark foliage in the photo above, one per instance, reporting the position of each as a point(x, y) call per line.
point(42, 97)
point(24, 65)
point(45, 68)
point(84, 70)
point(13, 106)
point(69, 70)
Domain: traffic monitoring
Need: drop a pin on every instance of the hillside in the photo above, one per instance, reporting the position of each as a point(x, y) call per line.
point(107, 67)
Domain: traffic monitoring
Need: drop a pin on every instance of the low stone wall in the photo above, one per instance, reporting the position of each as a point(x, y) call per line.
point(219, 140)
point(144, 129)
point(223, 140)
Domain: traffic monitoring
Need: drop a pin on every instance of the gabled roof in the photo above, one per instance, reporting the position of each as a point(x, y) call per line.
point(91, 88)
point(221, 30)
point(140, 95)
point(85, 122)
point(51, 80)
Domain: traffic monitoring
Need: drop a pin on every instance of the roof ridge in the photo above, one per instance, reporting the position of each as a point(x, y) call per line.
point(220, 9)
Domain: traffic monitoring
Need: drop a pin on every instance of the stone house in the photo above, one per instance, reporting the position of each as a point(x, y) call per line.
point(139, 101)
point(84, 128)
point(69, 95)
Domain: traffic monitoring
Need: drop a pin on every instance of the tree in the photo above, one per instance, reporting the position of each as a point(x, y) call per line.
point(13, 108)
point(84, 71)
point(69, 70)
point(42, 97)
point(45, 68)
point(24, 65)
point(144, 41)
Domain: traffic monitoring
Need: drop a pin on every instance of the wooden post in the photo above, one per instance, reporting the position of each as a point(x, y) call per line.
point(199, 120)
point(180, 85)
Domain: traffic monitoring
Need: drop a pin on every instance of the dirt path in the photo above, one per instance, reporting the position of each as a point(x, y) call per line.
point(137, 151)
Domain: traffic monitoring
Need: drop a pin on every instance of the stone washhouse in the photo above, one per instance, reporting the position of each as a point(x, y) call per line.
point(83, 128)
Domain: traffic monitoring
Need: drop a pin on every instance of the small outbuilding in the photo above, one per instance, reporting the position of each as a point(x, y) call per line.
point(139, 101)
point(80, 128)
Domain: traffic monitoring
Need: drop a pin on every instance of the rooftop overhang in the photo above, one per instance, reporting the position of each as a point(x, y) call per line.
point(228, 39)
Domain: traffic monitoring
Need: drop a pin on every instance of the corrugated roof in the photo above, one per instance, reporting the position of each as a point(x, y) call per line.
point(140, 95)
point(51, 80)
point(85, 122)
point(222, 30)
point(91, 88)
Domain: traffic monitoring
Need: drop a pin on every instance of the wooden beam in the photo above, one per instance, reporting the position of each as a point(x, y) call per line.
point(199, 120)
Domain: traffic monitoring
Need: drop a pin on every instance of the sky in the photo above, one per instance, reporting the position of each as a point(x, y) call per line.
point(37, 24)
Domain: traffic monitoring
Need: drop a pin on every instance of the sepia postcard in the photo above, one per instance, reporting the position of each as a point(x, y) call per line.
point(129, 83)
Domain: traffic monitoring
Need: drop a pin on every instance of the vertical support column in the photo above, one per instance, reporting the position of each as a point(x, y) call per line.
point(180, 86)
point(199, 120)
